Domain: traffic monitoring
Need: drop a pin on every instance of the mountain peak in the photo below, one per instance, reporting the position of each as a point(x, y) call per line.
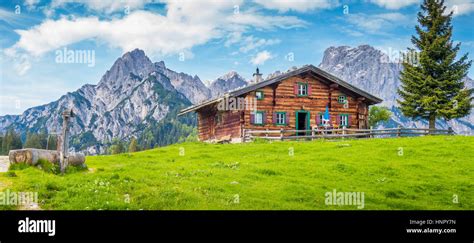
point(230, 75)
point(136, 55)
point(226, 82)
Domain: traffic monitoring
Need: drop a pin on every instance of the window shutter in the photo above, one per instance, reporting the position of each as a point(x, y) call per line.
point(295, 88)
point(252, 118)
point(274, 118)
point(310, 90)
point(318, 119)
point(348, 120)
point(338, 120)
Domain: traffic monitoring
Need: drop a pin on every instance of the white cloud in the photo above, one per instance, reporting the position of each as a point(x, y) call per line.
point(261, 58)
point(31, 4)
point(297, 5)
point(177, 31)
point(251, 43)
point(107, 6)
point(378, 23)
point(460, 7)
point(394, 4)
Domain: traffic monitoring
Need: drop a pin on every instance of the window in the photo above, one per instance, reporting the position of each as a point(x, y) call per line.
point(302, 89)
point(258, 118)
point(281, 118)
point(342, 99)
point(343, 120)
point(259, 95)
point(321, 118)
point(219, 118)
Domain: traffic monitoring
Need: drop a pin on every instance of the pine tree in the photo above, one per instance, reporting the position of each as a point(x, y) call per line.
point(133, 147)
point(433, 88)
point(33, 140)
point(11, 141)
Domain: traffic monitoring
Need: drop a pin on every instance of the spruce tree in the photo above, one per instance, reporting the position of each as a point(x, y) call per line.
point(133, 147)
point(434, 88)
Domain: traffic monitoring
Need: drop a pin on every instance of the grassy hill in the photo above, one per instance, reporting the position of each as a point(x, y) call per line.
point(398, 173)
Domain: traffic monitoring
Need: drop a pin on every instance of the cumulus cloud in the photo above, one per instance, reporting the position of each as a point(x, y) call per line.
point(297, 5)
point(394, 4)
point(179, 30)
point(377, 23)
point(107, 6)
point(460, 7)
point(261, 58)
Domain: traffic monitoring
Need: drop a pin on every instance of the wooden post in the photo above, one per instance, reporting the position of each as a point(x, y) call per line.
point(343, 131)
point(450, 131)
point(399, 131)
point(370, 132)
point(312, 133)
point(281, 134)
point(266, 133)
point(63, 156)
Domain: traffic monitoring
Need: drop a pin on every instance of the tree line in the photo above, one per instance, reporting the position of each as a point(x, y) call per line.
point(12, 140)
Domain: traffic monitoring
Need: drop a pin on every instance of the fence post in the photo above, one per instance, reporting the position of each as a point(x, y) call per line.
point(450, 131)
point(343, 131)
point(370, 132)
point(399, 131)
point(312, 133)
point(266, 133)
point(244, 135)
point(281, 134)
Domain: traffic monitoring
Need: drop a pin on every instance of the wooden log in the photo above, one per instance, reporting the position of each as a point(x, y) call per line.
point(76, 159)
point(31, 156)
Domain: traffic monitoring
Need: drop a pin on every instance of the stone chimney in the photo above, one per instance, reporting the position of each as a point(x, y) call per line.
point(257, 76)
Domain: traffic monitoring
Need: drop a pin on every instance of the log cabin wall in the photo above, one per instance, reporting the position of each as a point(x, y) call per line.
point(282, 98)
point(219, 125)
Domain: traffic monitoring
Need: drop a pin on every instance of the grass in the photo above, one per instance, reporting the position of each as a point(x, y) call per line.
point(394, 174)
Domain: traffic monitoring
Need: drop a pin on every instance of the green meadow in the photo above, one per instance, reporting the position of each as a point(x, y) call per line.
point(418, 173)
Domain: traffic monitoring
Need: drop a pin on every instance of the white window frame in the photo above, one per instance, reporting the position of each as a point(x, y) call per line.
point(302, 89)
point(280, 118)
point(258, 118)
point(344, 120)
point(342, 99)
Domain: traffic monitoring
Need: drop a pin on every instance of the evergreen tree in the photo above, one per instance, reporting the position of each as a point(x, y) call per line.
point(11, 141)
point(378, 114)
point(117, 147)
point(133, 147)
point(33, 140)
point(433, 87)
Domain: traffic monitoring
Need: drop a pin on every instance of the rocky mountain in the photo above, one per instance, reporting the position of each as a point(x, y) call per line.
point(373, 71)
point(229, 81)
point(134, 92)
point(135, 97)
point(191, 86)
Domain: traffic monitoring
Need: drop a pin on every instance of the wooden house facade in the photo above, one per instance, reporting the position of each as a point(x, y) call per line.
point(301, 99)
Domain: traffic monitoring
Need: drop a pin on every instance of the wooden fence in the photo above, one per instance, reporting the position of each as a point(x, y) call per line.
point(283, 134)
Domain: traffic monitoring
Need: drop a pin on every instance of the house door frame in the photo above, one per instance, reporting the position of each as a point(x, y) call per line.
point(307, 123)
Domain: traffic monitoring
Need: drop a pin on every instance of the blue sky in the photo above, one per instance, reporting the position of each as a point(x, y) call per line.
point(204, 38)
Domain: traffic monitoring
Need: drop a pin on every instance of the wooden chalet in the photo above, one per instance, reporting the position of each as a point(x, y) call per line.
point(301, 99)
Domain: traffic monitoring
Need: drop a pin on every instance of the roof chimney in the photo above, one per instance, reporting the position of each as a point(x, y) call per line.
point(258, 76)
